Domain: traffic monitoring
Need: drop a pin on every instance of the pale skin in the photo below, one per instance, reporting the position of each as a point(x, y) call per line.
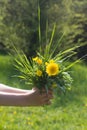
point(10, 96)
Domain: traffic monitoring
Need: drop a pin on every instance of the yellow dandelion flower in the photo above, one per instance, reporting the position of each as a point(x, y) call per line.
point(46, 63)
point(52, 69)
point(35, 59)
point(14, 112)
point(39, 61)
point(51, 61)
point(39, 73)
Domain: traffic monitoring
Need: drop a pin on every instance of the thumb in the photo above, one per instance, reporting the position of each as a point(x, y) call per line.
point(35, 89)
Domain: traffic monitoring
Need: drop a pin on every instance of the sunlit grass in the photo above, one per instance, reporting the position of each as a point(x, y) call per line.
point(67, 112)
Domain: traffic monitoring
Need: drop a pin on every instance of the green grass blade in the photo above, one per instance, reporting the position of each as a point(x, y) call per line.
point(39, 29)
point(46, 31)
point(62, 54)
point(56, 46)
point(48, 46)
point(52, 36)
point(75, 62)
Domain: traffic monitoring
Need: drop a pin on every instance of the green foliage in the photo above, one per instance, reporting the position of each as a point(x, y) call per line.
point(19, 23)
point(47, 68)
point(78, 19)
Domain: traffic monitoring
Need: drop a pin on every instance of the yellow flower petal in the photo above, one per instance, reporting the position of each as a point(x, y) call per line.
point(39, 73)
point(51, 61)
point(46, 63)
point(35, 59)
point(52, 69)
point(39, 61)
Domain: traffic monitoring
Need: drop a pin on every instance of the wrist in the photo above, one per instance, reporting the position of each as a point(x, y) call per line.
point(28, 98)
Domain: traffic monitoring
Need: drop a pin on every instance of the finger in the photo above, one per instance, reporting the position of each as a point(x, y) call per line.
point(44, 90)
point(45, 97)
point(44, 94)
point(35, 89)
point(50, 92)
point(45, 100)
point(50, 96)
point(47, 94)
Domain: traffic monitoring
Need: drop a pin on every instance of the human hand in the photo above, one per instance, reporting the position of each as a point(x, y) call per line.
point(36, 98)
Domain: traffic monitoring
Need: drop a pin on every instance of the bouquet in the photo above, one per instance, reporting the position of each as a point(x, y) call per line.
point(48, 70)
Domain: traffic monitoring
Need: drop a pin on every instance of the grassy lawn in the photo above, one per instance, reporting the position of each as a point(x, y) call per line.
point(67, 112)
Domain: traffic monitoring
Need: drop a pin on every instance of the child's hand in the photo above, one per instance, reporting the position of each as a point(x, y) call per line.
point(36, 98)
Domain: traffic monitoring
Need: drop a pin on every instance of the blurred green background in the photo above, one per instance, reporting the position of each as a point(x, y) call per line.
point(19, 26)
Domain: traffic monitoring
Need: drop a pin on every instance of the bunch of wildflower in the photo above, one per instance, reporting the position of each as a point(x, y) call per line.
point(48, 68)
point(49, 74)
